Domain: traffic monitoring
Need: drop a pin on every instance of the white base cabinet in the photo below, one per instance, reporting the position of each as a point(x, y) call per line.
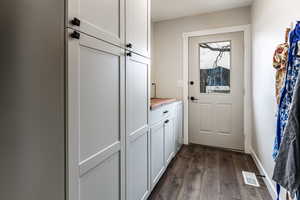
point(165, 138)
point(169, 140)
point(157, 151)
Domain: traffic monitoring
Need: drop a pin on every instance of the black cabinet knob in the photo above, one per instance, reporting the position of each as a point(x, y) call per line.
point(167, 121)
point(191, 82)
point(75, 35)
point(129, 45)
point(75, 21)
point(129, 54)
point(165, 112)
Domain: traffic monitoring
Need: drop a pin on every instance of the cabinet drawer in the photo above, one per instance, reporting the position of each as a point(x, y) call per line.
point(158, 115)
point(171, 108)
point(166, 111)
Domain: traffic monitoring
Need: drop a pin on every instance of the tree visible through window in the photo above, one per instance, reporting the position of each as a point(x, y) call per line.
point(215, 67)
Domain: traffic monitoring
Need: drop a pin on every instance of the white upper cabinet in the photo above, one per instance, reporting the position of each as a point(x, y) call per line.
point(138, 26)
point(108, 20)
point(103, 19)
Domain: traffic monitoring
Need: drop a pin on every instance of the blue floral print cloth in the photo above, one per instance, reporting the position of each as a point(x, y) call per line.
point(287, 90)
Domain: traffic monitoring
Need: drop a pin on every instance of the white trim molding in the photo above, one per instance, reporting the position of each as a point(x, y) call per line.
point(246, 29)
point(268, 181)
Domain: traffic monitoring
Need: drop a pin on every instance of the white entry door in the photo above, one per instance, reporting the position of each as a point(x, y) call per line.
point(216, 90)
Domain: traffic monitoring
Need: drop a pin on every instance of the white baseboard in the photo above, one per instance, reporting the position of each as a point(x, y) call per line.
point(268, 181)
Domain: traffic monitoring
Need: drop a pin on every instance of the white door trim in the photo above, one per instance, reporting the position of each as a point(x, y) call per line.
point(246, 29)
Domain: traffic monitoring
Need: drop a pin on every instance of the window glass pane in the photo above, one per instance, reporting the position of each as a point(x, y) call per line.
point(215, 67)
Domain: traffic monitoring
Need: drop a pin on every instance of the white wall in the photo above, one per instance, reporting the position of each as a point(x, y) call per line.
point(269, 19)
point(167, 62)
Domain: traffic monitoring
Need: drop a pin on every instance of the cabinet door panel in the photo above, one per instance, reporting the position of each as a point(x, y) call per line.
point(98, 69)
point(169, 140)
point(136, 93)
point(138, 186)
point(138, 25)
point(96, 135)
point(102, 182)
point(102, 19)
point(157, 152)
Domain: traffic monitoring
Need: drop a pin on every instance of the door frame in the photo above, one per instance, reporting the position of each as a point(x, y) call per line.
point(246, 29)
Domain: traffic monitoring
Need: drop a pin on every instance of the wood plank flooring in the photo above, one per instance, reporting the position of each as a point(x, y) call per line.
point(207, 173)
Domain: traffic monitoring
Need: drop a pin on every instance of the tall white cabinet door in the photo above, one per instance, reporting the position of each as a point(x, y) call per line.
point(96, 115)
point(137, 108)
point(138, 26)
point(103, 19)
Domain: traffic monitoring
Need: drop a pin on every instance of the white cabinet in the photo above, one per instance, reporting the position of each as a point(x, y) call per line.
point(104, 19)
point(112, 20)
point(96, 141)
point(138, 181)
point(108, 99)
point(157, 152)
point(169, 140)
point(165, 136)
point(138, 26)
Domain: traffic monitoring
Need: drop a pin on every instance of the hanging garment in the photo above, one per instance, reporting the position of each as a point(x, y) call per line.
point(288, 88)
point(280, 59)
point(287, 164)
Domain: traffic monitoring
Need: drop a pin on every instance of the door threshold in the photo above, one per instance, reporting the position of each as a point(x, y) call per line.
point(220, 148)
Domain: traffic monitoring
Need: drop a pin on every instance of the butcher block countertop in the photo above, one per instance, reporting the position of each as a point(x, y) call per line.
point(157, 102)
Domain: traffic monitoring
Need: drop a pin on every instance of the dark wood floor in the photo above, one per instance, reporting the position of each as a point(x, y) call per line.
point(206, 173)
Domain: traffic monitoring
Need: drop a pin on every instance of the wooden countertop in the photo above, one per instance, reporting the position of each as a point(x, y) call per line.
point(157, 102)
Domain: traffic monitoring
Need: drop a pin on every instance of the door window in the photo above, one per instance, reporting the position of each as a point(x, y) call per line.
point(215, 64)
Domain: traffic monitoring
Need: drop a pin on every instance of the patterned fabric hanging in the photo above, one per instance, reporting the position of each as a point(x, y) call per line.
point(280, 59)
point(288, 88)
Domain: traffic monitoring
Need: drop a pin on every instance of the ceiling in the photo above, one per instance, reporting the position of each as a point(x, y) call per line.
point(170, 9)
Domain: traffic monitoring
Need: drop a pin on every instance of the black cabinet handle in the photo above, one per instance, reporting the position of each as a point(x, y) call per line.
point(193, 98)
point(129, 54)
point(167, 121)
point(75, 21)
point(165, 112)
point(75, 35)
point(129, 45)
